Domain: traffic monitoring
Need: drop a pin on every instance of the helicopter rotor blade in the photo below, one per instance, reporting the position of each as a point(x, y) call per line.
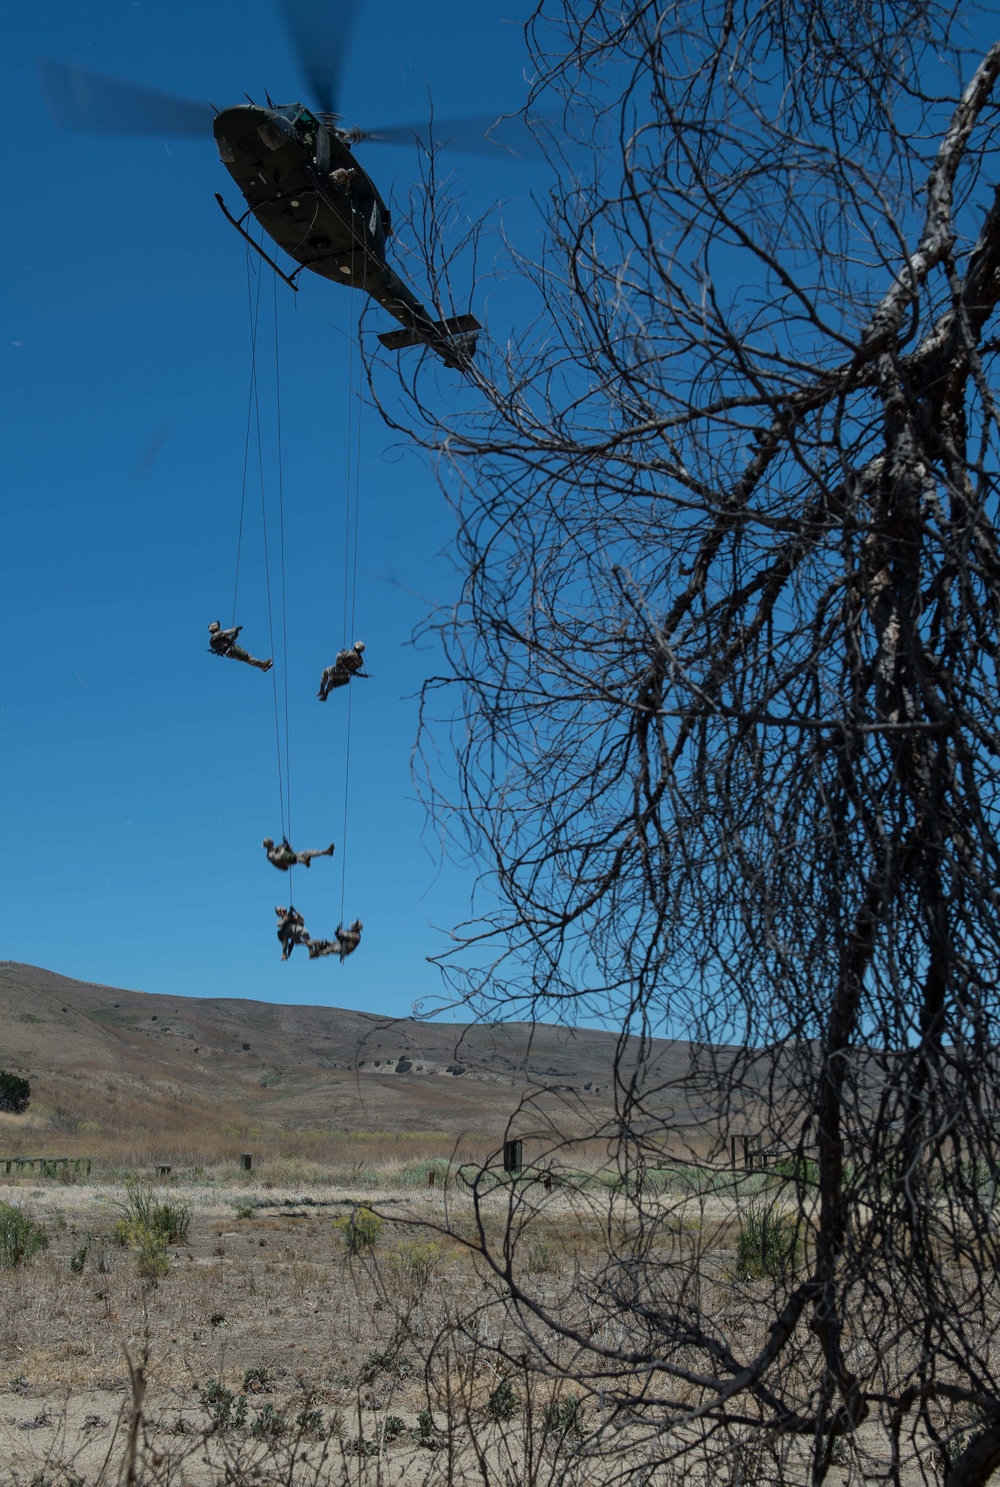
point(482, 134)
point(320, 32)
point(88, 103)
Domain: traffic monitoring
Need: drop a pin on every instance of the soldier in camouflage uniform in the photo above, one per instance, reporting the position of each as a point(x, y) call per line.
point(284, 857)
point(223, 643)
point(347, 665)
point(346, 942)
point(291, 930)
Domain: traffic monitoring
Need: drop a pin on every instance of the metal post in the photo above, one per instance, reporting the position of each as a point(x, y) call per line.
point(512, 1156)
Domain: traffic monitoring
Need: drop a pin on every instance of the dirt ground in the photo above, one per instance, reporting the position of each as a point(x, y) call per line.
point(271, 1307)
point(323, 1378)
point(267, 1354)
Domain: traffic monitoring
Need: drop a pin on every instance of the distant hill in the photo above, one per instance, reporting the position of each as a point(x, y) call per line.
point(103, 1060)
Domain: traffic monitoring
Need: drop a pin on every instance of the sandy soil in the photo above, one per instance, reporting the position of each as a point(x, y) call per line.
point(328, 1360)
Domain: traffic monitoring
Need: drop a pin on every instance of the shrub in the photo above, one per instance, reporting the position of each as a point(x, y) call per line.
point(373, 1365)
point(20, 1236)
point(503, 1403)
point(228, 1410)
point(360, 1230)
point(387, 1361)
point(414, 1174)
point(563, 1417)
point(768, 1242)
point(425, 1435)
point(257, 1380)
point(78, 1258)
point(964, 1432)
point(269, 1423)
point(542, 1257)
point(309, 1422)
point(393, 1428)
point(356, 1445)
point(152, 1260)
point(803, 1171)
point(142, 1216)
point(15, 1092)
point(245, 1208)
point(148, 1227)
point(412, 1265)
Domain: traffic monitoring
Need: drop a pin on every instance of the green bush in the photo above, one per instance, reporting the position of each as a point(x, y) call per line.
point(356, 1445)
point(15, 1092)
point(412, 1264)
point(152, 1260)
point(257, 1380)
point(563, 1417)
point(503, 1403)
point(20, 1236)
point(768, 1242)
point(360, 1230)
point(414, 1174)
point(425, 1435)
point(227, 1410)
point(148, 1227)
point(269, 1423)
point(803, 1171)
point(78, 1258)
point(144, 1220)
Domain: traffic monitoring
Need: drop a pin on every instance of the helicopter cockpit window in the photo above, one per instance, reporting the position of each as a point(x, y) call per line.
point(274, 132)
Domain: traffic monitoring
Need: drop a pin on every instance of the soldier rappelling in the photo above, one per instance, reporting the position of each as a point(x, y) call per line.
point(291, 929)
point(223, 643)
point(345, 943)
point(284, 856)
point(347, 665)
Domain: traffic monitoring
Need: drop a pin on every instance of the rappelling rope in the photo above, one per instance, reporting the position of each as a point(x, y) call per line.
point(253, 312)
point(352, 497)
point(281, 536)
point(254, 418)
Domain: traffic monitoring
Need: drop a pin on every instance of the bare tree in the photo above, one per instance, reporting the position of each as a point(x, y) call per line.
point(724, 669)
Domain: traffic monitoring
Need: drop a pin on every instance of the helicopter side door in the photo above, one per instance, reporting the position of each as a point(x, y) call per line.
point(332, 155)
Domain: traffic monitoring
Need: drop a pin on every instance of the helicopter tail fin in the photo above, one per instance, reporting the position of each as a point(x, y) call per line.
point(454, 340)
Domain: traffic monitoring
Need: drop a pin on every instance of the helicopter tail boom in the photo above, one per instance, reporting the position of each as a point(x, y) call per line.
point(454, 339)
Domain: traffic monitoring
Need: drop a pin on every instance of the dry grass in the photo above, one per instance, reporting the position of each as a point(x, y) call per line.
point(270, 1308)
point(132, 1136)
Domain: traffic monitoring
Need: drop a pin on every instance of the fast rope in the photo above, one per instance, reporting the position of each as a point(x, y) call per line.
point(253, 312)
point(281, 537)
point(254, 424)
point(352, 497)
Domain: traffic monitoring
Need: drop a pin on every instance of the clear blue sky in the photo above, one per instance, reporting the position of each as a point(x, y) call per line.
point(139, 773)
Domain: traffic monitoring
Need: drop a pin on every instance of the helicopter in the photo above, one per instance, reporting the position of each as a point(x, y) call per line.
point(296, 169)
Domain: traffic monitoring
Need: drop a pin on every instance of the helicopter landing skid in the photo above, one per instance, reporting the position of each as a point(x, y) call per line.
point(256, 246)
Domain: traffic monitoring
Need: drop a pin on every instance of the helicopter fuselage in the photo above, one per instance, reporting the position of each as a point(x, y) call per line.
point(290, 167)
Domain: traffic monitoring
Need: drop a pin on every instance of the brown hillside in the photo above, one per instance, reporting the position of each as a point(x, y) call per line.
point(109, 1065)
